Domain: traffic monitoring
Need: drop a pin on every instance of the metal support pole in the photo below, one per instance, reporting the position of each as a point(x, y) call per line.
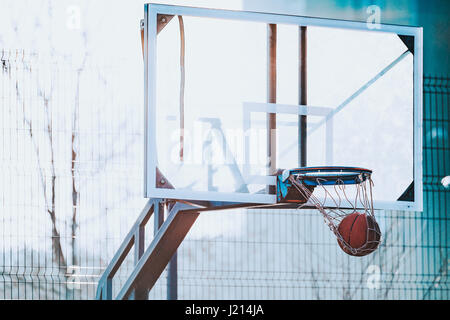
point(172, 289)
point(271, 98)
point(158, 213)
point(140, 292)
point(172, 279)
point(302, 98)
point(172, 276)
point(159, 220)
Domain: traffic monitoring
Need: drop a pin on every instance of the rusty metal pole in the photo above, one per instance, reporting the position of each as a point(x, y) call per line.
point(182, 84)
point(302, 97)
point(271, 98)
point(172, 276)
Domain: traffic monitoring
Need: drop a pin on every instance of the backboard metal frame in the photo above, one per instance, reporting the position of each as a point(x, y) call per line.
point(151, 190)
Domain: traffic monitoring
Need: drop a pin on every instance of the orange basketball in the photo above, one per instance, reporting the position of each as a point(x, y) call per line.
point(360, 232)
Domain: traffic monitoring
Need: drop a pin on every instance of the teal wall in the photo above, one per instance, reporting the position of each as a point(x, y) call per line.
point(432, 15)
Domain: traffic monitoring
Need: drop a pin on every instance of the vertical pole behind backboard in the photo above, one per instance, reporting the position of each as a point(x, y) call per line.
point(271, 98)
point(172, 276)
point(302, 97)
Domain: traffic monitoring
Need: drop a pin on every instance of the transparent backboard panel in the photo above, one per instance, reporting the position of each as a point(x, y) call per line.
point(360, 107)
point(372, 121)
point(223, 67)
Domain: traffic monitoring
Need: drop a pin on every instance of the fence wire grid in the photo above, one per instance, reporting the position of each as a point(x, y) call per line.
point(71, 160)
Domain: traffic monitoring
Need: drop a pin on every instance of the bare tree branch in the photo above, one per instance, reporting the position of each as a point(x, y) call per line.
point(58, 255)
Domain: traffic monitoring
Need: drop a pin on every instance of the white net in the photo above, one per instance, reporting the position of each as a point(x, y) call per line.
point(351, 220)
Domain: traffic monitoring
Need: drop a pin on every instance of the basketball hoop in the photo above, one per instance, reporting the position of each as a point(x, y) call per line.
point(352, 221)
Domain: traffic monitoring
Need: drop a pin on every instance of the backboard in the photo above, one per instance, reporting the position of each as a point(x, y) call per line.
point(231, 97)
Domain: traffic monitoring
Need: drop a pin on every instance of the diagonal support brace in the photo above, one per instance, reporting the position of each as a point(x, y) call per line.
point(158, 254)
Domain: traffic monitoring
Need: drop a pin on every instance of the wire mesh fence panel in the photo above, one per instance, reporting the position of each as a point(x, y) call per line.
point(71, 177)
point(270, 254)
point(71, 180)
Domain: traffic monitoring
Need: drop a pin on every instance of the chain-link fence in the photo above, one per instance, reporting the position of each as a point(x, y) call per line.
point(71, 159)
